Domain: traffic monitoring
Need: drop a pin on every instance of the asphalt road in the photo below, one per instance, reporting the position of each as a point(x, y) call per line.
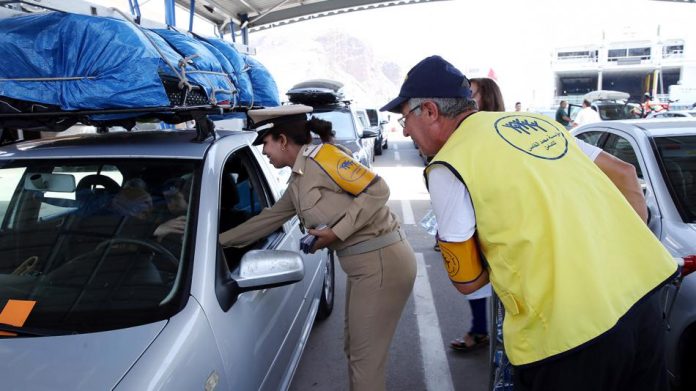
point(420, 357)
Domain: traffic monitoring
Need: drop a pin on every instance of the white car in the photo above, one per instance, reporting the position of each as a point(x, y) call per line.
point(674, 114)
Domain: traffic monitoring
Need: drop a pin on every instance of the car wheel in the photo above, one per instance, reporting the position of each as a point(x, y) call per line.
point(326, 302)
point(378, 147)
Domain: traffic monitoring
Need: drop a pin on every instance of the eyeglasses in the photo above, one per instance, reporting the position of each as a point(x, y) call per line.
point(402, 120)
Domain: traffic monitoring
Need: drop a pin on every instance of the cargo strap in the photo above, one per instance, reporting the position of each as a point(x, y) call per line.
point(373, 244)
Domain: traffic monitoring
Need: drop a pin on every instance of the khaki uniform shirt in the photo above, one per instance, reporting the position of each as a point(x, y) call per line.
point(317, 199)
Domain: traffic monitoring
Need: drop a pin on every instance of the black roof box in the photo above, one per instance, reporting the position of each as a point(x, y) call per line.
point(316, 92)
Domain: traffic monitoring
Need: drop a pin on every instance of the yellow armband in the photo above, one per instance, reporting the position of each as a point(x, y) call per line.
point(348, 174)
point(462, 260)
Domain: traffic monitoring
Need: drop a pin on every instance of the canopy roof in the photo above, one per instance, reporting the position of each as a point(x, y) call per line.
point(261, 14)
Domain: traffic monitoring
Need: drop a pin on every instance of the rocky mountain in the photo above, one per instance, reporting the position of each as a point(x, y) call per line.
point(369, 78)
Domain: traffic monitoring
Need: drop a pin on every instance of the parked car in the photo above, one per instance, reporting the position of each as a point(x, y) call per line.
point(673, 114)
point(663, 152)
point(330, 104)
point(97, 300)
point(611, 105)
point(364, 123)
point(379, 122)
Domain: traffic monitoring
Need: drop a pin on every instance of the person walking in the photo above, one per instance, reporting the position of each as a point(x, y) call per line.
point(488, 97)
point(562, 114)
point(586, 115)
point(328, 188)
point(563, 240)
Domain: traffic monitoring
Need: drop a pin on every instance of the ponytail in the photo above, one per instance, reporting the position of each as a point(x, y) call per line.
point(321, 128)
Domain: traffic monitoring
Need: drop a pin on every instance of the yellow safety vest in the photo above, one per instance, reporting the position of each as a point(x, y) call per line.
point(568, 255)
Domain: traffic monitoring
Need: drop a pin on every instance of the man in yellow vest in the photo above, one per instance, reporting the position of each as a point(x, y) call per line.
point(562, 239)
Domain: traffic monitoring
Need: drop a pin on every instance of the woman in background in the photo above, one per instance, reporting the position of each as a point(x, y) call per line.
point(488, 98)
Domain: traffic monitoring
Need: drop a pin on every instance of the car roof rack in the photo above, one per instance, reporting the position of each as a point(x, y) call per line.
point(57, 121)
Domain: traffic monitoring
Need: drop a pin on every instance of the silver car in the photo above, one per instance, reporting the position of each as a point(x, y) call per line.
point(674, 114)
point(663, 152)
point(98, 291)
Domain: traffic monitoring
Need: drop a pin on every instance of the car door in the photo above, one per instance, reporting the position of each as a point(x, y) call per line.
point(259, 334)
point(313, 263)
point(625, 147)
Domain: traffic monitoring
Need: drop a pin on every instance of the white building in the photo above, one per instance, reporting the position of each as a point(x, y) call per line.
point(664, 66)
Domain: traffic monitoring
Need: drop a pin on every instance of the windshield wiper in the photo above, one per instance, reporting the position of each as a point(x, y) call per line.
point(30, 331)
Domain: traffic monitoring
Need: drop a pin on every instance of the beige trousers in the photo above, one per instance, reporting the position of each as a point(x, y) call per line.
point(378, 286)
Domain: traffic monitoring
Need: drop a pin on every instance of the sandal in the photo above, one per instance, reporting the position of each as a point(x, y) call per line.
point(478, 340)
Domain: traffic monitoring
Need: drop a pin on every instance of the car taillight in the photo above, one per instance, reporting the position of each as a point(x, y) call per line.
point(689, 265)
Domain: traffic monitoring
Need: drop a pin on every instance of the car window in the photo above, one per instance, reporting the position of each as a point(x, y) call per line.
point(362, 117)
point(610, 112)
point(677, 157)
point(50, 207)
point(281, 175)
point(373, 116)
point(82, 239)
point(342, 123)
point(590, 137)
point(622, 149)
point(244, 192)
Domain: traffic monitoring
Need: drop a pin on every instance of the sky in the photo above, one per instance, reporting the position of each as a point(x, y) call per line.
point(514, 38)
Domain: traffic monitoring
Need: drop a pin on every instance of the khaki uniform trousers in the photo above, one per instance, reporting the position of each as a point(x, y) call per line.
point(378, 286)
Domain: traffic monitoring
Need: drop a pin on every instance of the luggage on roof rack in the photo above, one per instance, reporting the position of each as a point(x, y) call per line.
point(61, 68)
point(316, 92)
point(78, 62)
point(245, 90)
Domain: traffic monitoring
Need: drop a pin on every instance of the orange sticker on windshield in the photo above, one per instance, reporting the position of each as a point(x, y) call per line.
point(16, 312)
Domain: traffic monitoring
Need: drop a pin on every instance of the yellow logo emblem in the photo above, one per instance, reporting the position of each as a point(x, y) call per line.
point(349, 170)
point(533, 135)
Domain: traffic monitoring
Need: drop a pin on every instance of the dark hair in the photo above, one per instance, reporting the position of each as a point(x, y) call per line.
point(491, 97)
point(586, 103)
point(299, 131)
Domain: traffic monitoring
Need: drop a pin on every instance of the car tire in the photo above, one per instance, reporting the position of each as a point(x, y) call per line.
point(378, 147)
point(326, 301)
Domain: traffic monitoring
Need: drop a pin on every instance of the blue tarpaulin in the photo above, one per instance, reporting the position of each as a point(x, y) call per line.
point(80, 62)
point(245, 91)
point(265, 88)
point(85, 62)
point(203, 67)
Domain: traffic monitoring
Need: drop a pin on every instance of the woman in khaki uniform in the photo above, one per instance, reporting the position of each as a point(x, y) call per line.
point(372, 249)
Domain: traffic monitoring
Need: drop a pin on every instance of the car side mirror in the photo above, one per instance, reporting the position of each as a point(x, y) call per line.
point(261, 269)
point(367, 133)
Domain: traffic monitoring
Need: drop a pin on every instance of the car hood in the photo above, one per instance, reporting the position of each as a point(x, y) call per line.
point(93, 361)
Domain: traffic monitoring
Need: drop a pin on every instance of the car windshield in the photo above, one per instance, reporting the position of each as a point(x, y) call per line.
point(677, 155)
point(609, 112)
point(342, 123)
point(89, 245)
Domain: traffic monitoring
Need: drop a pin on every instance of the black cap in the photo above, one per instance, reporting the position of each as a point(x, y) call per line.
point(433, 77)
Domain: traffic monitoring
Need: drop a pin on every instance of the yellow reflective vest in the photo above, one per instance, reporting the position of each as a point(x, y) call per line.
point(568, 255)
